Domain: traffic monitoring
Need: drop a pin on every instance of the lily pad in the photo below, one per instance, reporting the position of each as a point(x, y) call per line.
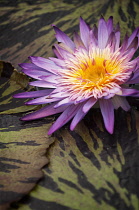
point(12, 82)
point(89, 168)
point(22, 146)
point(22, 156)
point(30, 33)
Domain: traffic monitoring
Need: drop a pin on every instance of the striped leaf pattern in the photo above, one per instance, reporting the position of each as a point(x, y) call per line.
point(88, 168)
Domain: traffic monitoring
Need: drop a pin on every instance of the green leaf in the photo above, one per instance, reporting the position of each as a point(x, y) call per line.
point(89, 168)
point(12, 82)
point(22, 145)
point(22, 155)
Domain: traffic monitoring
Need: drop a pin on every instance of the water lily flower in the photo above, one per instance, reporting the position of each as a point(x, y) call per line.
point(92, 68)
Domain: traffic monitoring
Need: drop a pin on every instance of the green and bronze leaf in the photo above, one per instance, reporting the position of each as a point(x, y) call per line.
point(89, 168)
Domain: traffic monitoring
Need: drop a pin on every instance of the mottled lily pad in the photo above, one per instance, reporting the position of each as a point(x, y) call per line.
point(22, 146)
point(30, 33)
point(11, 82)
point(89, 168)
point(22, 156)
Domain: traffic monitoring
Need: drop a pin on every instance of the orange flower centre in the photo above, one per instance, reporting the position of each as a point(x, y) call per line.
point(95, 73)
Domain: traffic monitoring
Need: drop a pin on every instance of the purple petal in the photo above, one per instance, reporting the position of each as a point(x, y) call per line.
point(44, 112)
point(89, 104)
point(42, 100)
point(119, 101)
point(33, 94)
point(128, 92)
point(95, 31)
point(128, 54)
point(30, 66)
point(84, 32)
point(64, 53)
point(114, 90)
point(45, 63)
point(110, 95)
point(42, 84)
point(64, 118)
point(133, 35)
point(134, 77)
point(124, 44)
point(110, 25)
point(62, 37)
point(124, 104)
point(102, 34)
point(65, 47)
point(58, 62)
point(77, 40)
point(58, 93)
point(62, 102)
point(50, 78)
point(35, 74)
point(133, 44)
point(135, 62)
point(117, 28)
point(56, 53)
point(93, 40)
point(107, 111)
point(133, 81)
point(117, 37)
point(111, 41)
point(78, 117)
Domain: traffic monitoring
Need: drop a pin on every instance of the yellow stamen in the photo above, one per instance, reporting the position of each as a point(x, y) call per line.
point(95, 73)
